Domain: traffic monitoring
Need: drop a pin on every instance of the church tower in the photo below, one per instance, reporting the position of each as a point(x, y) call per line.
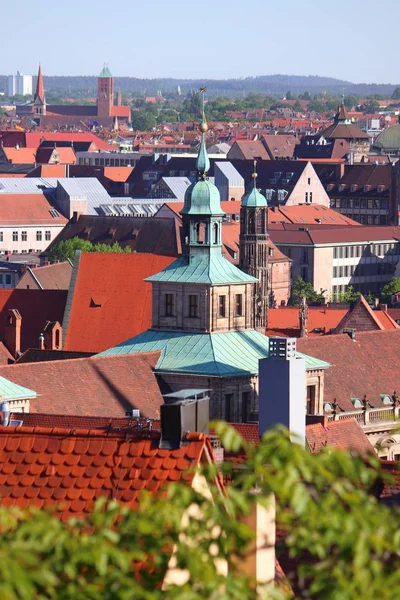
point(39, 99)
point(254, 250)
point(105, 93)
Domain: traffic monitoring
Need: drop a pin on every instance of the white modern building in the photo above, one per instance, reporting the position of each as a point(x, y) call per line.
point(20, 84)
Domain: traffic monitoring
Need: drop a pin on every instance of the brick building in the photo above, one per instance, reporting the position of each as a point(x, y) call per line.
point(105, 113)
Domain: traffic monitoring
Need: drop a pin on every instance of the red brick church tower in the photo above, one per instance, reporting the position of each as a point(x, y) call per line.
point(105, 93)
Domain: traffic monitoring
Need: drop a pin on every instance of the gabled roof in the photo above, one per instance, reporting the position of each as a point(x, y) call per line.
point(97, 386)
point(346, 434)
point(70, 468)
point(20, 156)
point(369, 365)
point(109, 299)
point(249, 149)
point(222, 354)
point(363, 318)
point(50, 277)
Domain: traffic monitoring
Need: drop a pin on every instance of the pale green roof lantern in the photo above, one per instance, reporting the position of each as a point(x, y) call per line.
point(105, 71)
point(253, 198)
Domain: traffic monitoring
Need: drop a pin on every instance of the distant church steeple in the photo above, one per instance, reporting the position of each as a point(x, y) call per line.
point(39, 99)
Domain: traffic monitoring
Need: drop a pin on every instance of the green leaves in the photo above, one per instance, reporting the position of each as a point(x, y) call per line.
point(65, 250)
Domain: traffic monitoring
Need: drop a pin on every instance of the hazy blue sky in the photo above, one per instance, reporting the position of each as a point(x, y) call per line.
point(357, 40)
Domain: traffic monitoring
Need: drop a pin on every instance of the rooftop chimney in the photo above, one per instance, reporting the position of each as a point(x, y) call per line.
point(4, 413)
point(282, 388)
point(183, 411)
point(12, 331)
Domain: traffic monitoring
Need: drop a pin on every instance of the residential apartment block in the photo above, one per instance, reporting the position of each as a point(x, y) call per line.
point(335, 257)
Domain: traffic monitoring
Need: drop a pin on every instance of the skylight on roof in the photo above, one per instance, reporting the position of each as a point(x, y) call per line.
point(54, 213)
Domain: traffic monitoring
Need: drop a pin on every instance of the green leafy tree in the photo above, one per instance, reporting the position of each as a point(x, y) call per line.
point(349, 296)
point(305, 289)
point(396, 94)
point(388, 290)
point(65, 250)
point(346, 545)
point(144, 119)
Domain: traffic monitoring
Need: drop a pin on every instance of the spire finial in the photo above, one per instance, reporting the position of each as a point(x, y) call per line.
point(254, 174)
point(203, 162)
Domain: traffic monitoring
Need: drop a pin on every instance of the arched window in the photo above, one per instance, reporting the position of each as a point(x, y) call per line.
point(216, 233)
point(252, 225)
point(201, 233)
point(57, 339)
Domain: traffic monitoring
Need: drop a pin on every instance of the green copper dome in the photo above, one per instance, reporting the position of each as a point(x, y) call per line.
point(202, 198)
point(254, 199)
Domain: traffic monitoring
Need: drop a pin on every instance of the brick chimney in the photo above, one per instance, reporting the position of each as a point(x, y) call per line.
point(52, 335)
point(12, 331)
point(282, 388)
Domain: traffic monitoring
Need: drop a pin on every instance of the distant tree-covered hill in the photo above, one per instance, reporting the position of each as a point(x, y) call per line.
point(265, 84)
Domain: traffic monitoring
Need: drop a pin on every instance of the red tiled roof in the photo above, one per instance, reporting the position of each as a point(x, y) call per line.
point(287, 233)
point(20, 156)
point(33, 140)
point(47, 171)
point(121, 111)
point(249, 149)
point(117, 173)
point(27, 209)
point(56, 276)
point(363, 318)
point(286, 320)
point(369, 365)
point(111, 302)
point(70, 469)
point(308, 213)
point(344, 435)
point(35, 307)
point(104, 386)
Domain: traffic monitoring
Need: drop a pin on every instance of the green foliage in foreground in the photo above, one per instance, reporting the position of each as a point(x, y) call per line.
point(324, 503)
point(65, 250)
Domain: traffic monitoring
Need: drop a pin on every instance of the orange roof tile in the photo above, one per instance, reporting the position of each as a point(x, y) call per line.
point(286, 320)
point(110, 301)
point(308, 213)
point(117, 173)
point(20, 156)
point(33, 140)
point(27, 209)
point(378, 319)
point(70, 469)
point(346, 434)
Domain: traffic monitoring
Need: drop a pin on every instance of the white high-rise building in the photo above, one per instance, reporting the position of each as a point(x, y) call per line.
point(20, 84)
